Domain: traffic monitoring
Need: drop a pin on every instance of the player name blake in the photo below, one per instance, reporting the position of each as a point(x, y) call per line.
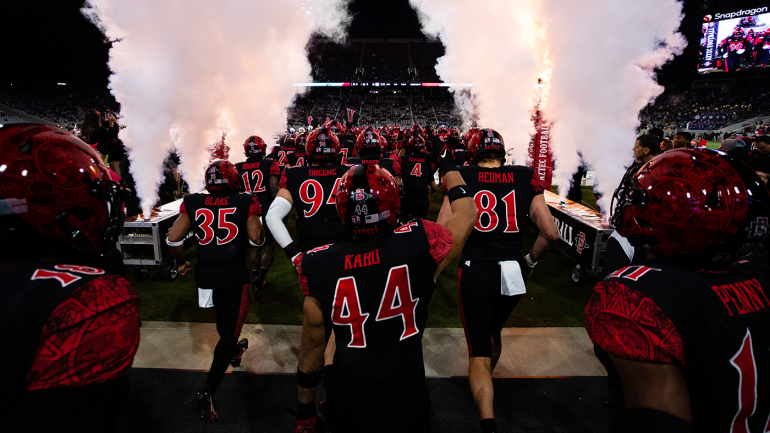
point(323, 172)
point(495, 177)
point(217, 201)
point(743, 298)
point(360, 260)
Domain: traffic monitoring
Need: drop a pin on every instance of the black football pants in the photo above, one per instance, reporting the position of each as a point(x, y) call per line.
point(415, 206)
point(231, 306)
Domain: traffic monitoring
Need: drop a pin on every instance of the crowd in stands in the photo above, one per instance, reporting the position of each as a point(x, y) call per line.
point(63, 105)
point(709, 109)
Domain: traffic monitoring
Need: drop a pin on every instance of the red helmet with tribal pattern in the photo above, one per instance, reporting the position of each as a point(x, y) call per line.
point(222, 177)
point(368, 200)
point(254, 146)
point(369, 140)
point(53, 183)
point(697, 206)
point(322, 146)
point(482, 141)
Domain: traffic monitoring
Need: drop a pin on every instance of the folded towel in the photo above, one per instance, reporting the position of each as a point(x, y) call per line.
point(205, 298)
point(512, 281)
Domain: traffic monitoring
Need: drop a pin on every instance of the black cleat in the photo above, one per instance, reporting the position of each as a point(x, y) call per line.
point(258, 286)
point(243, 344)
point(205, 402)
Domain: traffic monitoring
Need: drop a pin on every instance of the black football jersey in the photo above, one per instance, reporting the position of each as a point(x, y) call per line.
point(717, 329)
point(312, 190)
point(255, 178)
point(283, 156)
point(503, 196)
point(347, 150)
point(461, 157)
point(417, 174)
point(391, 165)
point(375, 295)
point(296, 159)
point(219, 224)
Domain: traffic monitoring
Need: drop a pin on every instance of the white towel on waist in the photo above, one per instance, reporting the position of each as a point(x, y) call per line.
point(205, 298)
point(512, 281)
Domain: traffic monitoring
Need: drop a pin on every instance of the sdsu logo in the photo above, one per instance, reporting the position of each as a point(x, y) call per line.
point(758, 228)
point(580, 243)
point(707, 18)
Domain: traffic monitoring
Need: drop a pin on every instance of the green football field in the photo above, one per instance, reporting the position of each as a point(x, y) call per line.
point(551, 300)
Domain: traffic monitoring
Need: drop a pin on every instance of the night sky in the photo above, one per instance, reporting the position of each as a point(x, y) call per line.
point(50, 41)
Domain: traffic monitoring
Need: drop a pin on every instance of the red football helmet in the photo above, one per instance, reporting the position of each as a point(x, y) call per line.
point(416, 144)
point(697, 206)
point(368, 200)
point(369, 141)
point(484, 140)
point(299, 145)
point(54, 183)
point(254, 146)
point(222, 177)
point(322, 146)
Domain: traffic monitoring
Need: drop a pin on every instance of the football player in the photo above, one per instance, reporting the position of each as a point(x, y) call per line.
point(418, 180)
point(374, 293)
point(259, 176)
point(299, 157)
point(460, 150)
point(225, 222)
point(347, 145)
point(493, 267)
point(732, 47)
point(310, 189)
point(370, 150)
point(685, 335)
point(70, 325)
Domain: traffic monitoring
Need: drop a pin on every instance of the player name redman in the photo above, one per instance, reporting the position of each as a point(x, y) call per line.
point(495, 177)
point(323, 172)
point(217, 201)
point(743, 297)
point(360, 260)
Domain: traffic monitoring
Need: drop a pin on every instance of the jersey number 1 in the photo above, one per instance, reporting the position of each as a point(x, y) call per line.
point(397, 301)
point(746, 364)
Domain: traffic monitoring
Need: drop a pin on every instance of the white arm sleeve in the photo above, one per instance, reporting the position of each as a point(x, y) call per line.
point(278, 210)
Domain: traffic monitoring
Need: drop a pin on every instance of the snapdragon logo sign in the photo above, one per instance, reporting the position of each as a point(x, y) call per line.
point(740, 13)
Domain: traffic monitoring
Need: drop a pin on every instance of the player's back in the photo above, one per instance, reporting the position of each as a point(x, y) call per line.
point(717, 329)
point(388, 164)
point(359, 284)
point(255, 178)
point(312, 190)
point(219, 224)
point(503, 196)
point(417, 173)
point(347, 149)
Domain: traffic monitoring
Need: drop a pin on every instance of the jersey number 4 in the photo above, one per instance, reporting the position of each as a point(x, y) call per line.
point(486, 203)
point(222, 223)
point(316, 199)
point(397, 301)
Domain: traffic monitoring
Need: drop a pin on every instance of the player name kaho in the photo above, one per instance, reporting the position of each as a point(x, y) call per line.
point(360, 260)
point(323, 172)
point(217, 201)
point(495, 177)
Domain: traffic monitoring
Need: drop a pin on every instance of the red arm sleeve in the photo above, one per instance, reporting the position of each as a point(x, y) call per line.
point(627, 324)
point(183, 209)
point(89, 338)
point(302, 278)
point(538, 186)
point(440, 239)
point(284, 181)
point(275, 169)
point(255, 208)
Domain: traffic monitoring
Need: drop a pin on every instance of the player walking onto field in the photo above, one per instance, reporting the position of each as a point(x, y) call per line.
point(493, 268)
point(374, 292)
point(685, 335)
point(418, 179)
point(225, 222)
point(70, 325)
point(310, 189)
point(370, 149)
point(259, 176)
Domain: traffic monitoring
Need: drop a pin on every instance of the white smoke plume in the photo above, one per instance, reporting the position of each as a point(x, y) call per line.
point(491, 44)
point(192, 69)
point(603, 55)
